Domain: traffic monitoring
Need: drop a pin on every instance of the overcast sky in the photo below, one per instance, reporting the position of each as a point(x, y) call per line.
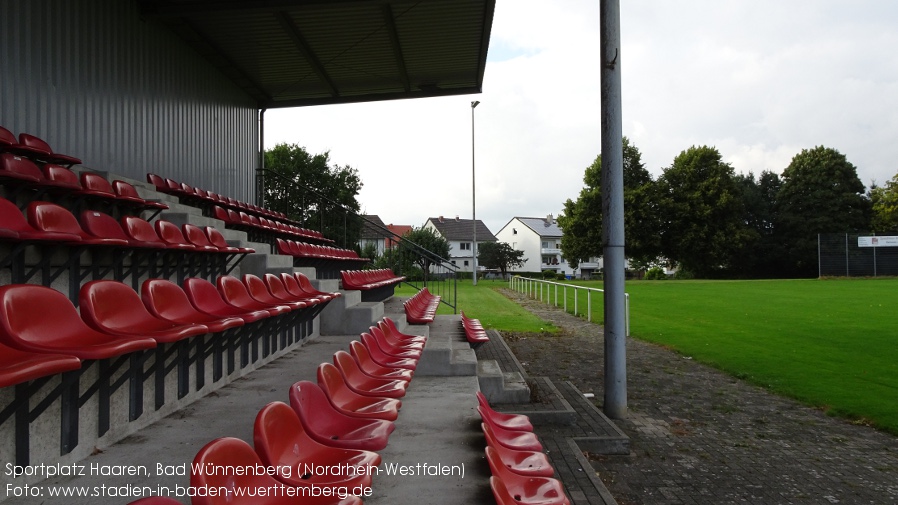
point(758, 79)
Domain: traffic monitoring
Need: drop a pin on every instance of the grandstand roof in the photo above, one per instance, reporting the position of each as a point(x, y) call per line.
point(288, 53)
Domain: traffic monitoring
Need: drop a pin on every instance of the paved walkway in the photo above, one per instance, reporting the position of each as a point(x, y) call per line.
point(699, 436)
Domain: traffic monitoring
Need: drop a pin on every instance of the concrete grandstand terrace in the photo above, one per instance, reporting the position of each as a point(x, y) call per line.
point(438, 425)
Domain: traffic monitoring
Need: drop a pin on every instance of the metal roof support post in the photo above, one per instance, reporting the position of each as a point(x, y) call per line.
point(613, 211)
point(473, 197)
point(260, 174)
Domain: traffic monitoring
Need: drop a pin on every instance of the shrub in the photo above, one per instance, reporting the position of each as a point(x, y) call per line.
point(655, 274)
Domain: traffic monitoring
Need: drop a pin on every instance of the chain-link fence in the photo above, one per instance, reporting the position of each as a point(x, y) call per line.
point(844, 255)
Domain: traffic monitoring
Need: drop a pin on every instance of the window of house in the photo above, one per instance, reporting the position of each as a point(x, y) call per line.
point(466, 262)
point(545, 244)
point(453, 262)
point(465, 246)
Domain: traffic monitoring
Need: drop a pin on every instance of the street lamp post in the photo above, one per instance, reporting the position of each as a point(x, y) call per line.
point(473, 197)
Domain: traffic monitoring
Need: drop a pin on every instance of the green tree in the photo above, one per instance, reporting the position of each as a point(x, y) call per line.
point(581, 219)
point(500, 255)
point(884, 200)
point(703, 219)
point(424, 247)
point(310, 190)
point(761, 258)
point(821, 193)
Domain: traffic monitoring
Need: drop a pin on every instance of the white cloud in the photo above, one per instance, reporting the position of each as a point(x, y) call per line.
point(760, 80)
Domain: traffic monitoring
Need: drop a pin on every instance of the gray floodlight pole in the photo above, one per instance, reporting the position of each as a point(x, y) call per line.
point(613, 212)
point(473, 197)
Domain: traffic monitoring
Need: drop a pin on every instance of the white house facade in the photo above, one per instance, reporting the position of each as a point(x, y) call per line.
point(540, 240)
point(460, 235)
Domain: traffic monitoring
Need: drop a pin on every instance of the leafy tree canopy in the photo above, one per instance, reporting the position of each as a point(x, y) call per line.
point(581, 219)
point(500, 255)
point(425, 247)
point(702, 212)
point(885, 207)
point(312, 191)
point(821, 193)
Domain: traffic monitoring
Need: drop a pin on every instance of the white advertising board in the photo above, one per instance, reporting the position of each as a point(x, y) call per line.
point(883, 241)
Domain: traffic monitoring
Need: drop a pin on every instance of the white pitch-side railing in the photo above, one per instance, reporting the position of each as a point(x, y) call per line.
point(542, 289)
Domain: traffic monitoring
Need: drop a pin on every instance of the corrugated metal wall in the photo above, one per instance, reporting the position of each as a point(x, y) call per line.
point(97, 82)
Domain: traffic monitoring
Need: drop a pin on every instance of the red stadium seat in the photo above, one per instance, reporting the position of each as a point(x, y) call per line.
point(361, 356)
point(351, 403)
point(364, 384)
point(9, 143)
point(115, 308)
point(306, 285)
point(389, 327)
point(141, 233)
point(51, 218)
point(14, 226)
point(384, 359)
point(403, 342)
point(25, 325)
point(171, 235)
point(218, 240)
point(250, 488)
point(18, 169)
point(399, 351)
point(96, 185)
point(205, 297)
point(529, 463)
point(166, 300)
point(196, 236)
point(513, 422)
point(28, 140)
point(292, 287)
point(259, 291)
point(522, 489)
point(22, 366)
point(61, 177)
point(235, 293)
point(516, 440)
point(277, 289)
point(280, 441)
point(128, 193)
point(102, 225)
point(331, 427)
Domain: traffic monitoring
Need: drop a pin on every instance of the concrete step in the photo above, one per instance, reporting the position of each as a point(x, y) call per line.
point(499, 386)
point(445, 357)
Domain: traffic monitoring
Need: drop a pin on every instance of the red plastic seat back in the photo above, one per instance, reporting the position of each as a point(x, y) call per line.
point(170, 233)
point(11, 218)
point(216, 238)
point(231, 453)
point(125, 190)
point(166, 299)
point(96, 183)
point(19, 168)
point(61, 176)
point(234, 292)
point(195, 235)
point(7, 138)
point(49, 217)
point(258, 290)
point(277, 289)
point(102, 225)
point(29, 140)
point(24, 310)
point(113, 307)
point(204, 295)
point(157, 181)
point(140, 230)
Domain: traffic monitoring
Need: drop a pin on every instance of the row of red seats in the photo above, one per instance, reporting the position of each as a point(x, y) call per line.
point(51, 178)
point(369, 279)
point(475, 333)
point(181, 189)
point(242, 220)
point(115, 320)
point(33, 147)
point(48, 222)
point(521, 472)
point(339, 421)
point(314, 251)
point(422, 307)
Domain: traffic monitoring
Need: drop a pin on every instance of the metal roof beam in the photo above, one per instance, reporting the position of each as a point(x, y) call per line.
point(430, 92)
point(390, 23)
point(293, 31)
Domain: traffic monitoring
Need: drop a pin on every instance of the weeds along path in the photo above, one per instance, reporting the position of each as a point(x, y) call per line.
point(701, 436)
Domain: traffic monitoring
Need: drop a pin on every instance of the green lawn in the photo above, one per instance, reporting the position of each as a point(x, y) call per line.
point(491, 308)
point(829, 343)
